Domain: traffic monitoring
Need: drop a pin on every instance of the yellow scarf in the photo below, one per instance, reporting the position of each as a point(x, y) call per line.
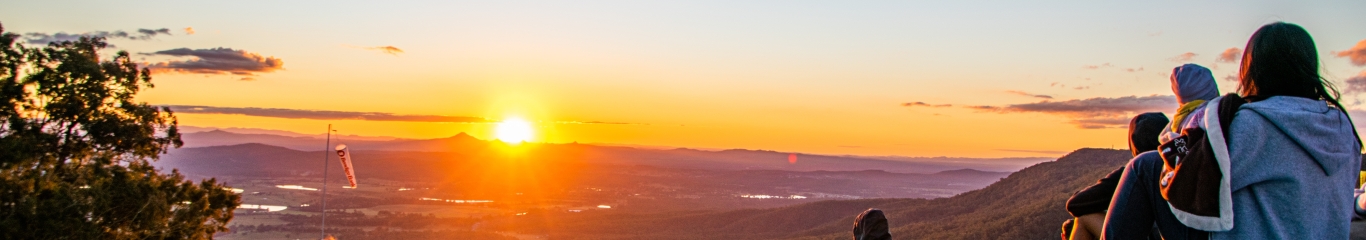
point(1182, 112)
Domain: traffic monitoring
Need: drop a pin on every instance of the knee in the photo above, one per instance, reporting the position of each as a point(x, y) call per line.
point(1146, 161)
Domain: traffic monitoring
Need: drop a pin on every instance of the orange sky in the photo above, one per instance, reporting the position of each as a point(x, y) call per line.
point(868, 78)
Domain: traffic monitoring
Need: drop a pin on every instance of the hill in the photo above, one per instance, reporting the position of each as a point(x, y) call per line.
point(1025, 205)
point(223, 144)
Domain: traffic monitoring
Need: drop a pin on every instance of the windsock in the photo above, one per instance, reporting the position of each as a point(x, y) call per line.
point(344, 155)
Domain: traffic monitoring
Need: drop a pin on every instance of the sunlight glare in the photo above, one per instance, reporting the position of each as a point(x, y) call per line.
point(514, 130)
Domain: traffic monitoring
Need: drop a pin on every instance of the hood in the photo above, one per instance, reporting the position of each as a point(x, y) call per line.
point(1144, 130)
point(1193, 82)
point(1323, 131)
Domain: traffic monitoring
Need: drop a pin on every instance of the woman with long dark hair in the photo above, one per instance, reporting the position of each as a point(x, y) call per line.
point(1291, 163)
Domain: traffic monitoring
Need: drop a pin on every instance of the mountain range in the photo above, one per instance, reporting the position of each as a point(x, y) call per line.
point(733, 159)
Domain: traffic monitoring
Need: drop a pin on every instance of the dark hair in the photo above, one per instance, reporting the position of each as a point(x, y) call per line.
point(1280, 60)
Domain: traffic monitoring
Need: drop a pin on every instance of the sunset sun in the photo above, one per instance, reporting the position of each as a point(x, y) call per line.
point(514, 130)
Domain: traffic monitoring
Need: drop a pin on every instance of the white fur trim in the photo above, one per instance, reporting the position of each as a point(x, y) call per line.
point(1215, 133)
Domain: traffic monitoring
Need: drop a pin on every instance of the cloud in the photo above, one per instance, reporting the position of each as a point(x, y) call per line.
point(217, 61)
point(1356, 54)
point(1022, 93)
point(140, 34)
point(1230, 55)
point(1093, 113)
point(189, 31)
point(149, 33)
point(1133, 69)
point(1355, 84)
point(1082, 87)
point(391, 50)
point(1158, 33)
point(1093, 67)
point(923, 104)
point(985, 108)
point(1231, 78)
point(323, 115)
point(1184, 57)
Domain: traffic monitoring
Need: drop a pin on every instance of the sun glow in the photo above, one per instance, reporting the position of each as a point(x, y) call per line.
point(514, 130)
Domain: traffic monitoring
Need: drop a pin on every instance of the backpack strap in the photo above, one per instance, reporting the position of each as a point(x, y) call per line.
point(1228, 106)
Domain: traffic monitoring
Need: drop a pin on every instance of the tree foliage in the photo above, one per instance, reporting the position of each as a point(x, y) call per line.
point(75, 151)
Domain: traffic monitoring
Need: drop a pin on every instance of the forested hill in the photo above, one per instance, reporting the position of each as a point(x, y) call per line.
point(1025, 205)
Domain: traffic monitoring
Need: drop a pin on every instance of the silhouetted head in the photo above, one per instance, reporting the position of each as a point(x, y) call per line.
point(1280, 60)
point(1143, 131)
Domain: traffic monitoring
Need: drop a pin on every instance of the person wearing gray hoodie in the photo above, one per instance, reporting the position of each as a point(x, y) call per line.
point(1293, 155)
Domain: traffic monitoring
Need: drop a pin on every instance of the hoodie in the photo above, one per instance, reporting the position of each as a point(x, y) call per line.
point(1293, 167)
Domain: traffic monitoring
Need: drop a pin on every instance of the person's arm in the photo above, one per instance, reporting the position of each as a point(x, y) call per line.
point(1361, 202)
point(1094, 198)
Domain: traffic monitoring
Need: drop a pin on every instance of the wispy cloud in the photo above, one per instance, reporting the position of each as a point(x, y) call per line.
point(189, 31)
point(1093, 67)
point(217, 61)
point(322, 114)
point(1355, 84)
point(1184, 57)
point(1022, 93)
point(1092, 113)
point(1230, 55)
point(1356, 54)
point(923, 104)
point(391, 50)
point(140, 34)
point(1133, 69)
point(984, 108)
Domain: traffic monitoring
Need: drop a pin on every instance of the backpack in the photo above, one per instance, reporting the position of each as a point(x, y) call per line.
point(1194, 178)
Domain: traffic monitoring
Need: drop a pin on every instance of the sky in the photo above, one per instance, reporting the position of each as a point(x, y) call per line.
point(959, 78)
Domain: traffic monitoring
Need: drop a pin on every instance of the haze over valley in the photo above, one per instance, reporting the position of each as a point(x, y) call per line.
point(468, 180)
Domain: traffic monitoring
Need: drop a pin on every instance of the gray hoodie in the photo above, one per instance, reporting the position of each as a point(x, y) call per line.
point(1293, 164)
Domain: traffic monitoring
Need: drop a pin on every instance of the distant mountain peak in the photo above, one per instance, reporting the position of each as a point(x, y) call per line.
point(463, 135)
point(967, 171)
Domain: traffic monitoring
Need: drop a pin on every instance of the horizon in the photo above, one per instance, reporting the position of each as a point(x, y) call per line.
point(855, 79)
point(255, 131)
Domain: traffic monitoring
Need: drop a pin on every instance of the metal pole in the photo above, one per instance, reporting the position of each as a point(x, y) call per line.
point(327, 153)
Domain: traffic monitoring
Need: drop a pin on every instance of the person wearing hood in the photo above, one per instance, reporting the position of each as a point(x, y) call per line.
point(1292, 155)
point(1193, 86)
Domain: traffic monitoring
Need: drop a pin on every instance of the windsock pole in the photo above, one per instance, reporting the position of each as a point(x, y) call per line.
point(326, 153)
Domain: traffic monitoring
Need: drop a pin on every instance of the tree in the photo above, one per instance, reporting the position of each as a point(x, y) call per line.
point(75, 151)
